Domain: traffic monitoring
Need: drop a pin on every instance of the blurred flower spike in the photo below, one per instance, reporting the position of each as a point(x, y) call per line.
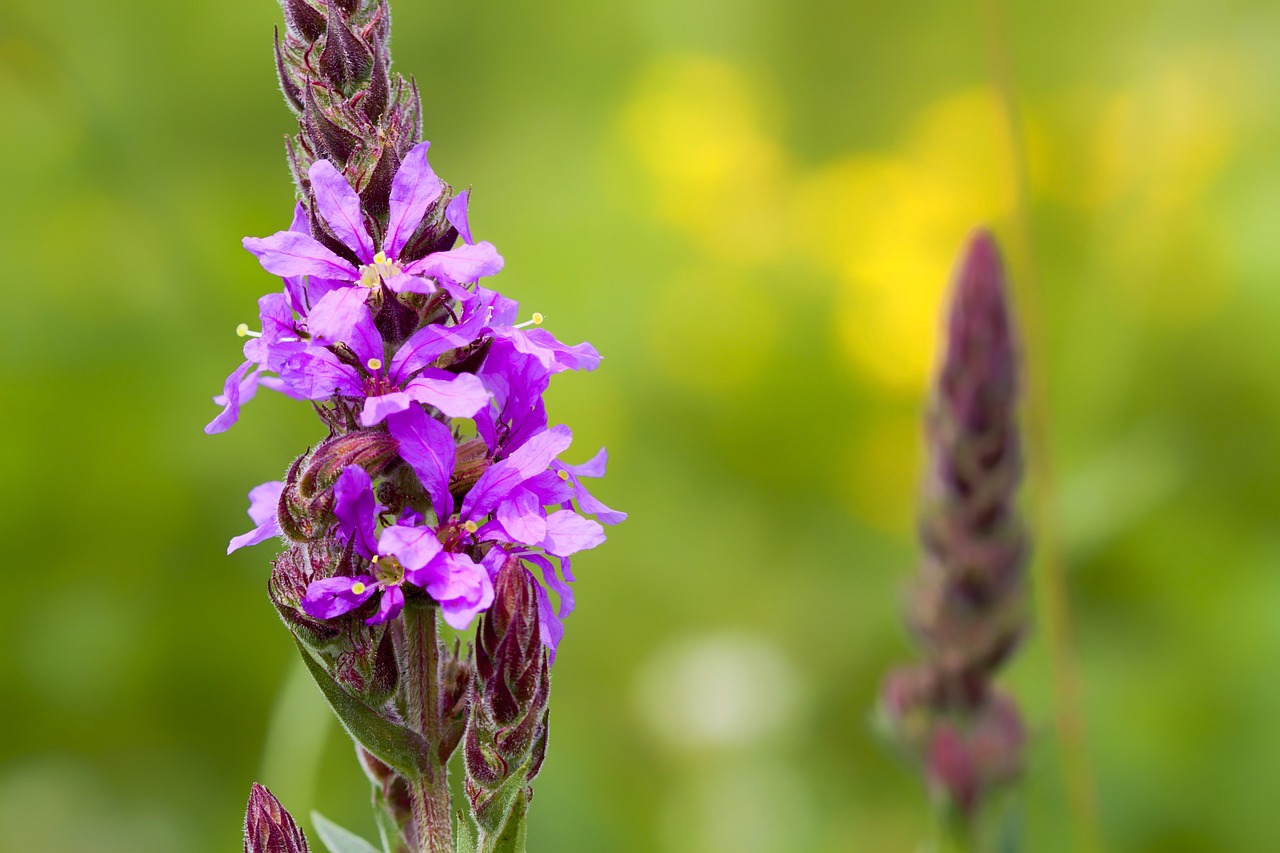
point(967, 608)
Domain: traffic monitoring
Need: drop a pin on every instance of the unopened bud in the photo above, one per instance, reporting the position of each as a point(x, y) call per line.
point(268, 828)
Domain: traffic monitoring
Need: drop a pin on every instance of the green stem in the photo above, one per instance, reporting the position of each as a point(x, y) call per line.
point(1054, 597)
point(428, 794)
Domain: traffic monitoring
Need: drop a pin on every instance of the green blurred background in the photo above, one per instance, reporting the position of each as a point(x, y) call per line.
point(751, 208)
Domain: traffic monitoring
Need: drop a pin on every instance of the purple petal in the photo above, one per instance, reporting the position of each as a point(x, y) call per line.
point(334, 318)
point(551, 579)
point(413, 189)
point(427, 445)
point(402, 283)
point(529, 459)
point(522, 516)
point(389, 607)
point(465, 264)
point(593, 467)
point(568, 533)
point(238, 388)
point(377, 409)
point(550, 627)
point(288, 253)
point(264, 500)
point(456, 214)
point(356, 508)
point(295, 285)
point(456, 395)
point(430, 342)
point(317, 374)
point(549, 352)
point(414, 547)
point(462, 587)
point(275, 383)
point(332, 597)
point(340, 208)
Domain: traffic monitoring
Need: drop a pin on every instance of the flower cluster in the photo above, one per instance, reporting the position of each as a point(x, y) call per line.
point(440, 465)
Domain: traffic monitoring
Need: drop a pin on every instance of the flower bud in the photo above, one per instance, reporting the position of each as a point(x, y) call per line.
point(506, 740)
point(345, 60)
point(268, 828)
point(303, 19)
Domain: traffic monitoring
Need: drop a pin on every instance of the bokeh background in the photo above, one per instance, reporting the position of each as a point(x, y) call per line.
point(751, 208)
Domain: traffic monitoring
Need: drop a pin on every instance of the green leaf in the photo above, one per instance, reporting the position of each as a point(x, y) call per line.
point(400, 748)
point(337, 839)
point(464, 833)
point(513, 836)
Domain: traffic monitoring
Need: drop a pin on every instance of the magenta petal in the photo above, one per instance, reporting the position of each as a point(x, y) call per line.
point(356, 508)
point(413, 189)
point(457, 396)
point(427, 445)
point(414, 547)
point(410, 284)
point(549, 625)
point(462, 587)
point(376, 409)
point(239, 387)
point(456, 214)
point(389, 607)
point(529, 459)
point(523, 518)
point(568, 533)
point(288, 253)
point(264, 500)
point(332, 597)
point(430, 342)
point(593, 467)
point(466, 263)
point(340, 208)
point(316, 374)
point(334, 318)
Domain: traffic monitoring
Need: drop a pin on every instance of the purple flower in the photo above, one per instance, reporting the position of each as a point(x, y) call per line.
point(263, 503)
point(506, 507)
point(413, 189)
point(316, 372)
point(404, 551)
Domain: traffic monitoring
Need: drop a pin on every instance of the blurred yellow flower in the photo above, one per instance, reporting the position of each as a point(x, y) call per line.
point(890, 223)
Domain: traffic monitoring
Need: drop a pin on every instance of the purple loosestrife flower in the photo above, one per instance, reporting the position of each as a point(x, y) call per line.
point(403, 552)
point(505, 509)
point(414, 188)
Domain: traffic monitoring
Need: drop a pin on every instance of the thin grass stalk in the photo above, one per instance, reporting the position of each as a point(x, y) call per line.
point(1053, 597)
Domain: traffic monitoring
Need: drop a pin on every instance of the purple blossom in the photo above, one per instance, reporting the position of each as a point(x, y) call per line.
point(316, 372)
point(413, 189)
point(506, 507)
point(401, 552)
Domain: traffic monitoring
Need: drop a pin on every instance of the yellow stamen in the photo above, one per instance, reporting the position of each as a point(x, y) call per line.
point(380, 258)
point(358, 587)
point(373, 559)
point(242, 330)
point(374, 363)
point(563, 475)
point(536, 321)
point(469, 526)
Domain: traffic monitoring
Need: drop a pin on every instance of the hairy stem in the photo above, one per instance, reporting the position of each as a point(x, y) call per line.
point(429, 794)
